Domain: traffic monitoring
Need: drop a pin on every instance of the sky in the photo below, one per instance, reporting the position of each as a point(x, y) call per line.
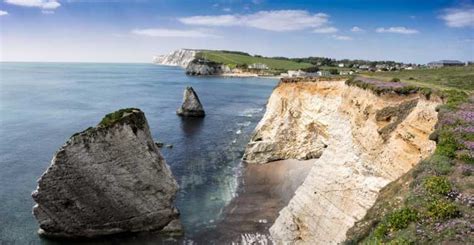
point(415, 31)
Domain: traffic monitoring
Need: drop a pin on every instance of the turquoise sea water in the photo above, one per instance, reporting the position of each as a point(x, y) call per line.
point(43, 104)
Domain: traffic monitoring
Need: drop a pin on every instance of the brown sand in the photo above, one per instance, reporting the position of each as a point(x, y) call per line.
point(264, 190)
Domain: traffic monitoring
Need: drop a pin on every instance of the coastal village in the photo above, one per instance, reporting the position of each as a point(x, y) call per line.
point(344, 69)
point(240, 64)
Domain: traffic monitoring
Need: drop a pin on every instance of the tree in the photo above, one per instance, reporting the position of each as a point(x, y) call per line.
point(311, 69)
point(333, 71)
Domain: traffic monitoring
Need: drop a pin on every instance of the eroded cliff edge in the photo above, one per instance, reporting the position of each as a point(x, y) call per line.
point(360, 142)
point(107, 179)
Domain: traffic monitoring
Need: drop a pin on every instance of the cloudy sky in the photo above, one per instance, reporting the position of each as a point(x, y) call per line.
point(135, 30)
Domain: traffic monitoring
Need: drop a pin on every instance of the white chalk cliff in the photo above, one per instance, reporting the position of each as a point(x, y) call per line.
point(180, 57)
point(360, 142)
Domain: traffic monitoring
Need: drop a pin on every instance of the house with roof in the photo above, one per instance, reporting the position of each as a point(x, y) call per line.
point(443, 63)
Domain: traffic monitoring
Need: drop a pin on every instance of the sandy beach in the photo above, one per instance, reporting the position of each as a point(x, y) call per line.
point(264, 190)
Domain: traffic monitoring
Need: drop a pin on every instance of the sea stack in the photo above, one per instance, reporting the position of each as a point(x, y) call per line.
point(191, 106)
point(105, 180)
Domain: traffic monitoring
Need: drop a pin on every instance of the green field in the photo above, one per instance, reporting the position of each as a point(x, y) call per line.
point(233, 59)
point(447, 77)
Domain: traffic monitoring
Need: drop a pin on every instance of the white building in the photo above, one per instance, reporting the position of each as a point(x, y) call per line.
point(259, 66)
point(323, 73)
point(341, 65)
point(298, 73)
point(346, 73)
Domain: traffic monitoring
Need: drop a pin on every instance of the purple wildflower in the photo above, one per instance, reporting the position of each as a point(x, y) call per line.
point(465, 129)
point(466, 116)
point(469, 145)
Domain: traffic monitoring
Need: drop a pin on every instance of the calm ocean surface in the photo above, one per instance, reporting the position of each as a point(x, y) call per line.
point(43, 104)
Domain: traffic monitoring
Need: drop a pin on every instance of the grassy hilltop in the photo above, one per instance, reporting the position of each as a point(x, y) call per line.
point(442, 78)
point(234, 59)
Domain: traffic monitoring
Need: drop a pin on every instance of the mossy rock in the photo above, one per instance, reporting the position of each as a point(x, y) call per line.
point(119, 116)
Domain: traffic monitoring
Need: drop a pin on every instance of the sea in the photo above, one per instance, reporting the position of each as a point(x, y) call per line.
point(43, 104)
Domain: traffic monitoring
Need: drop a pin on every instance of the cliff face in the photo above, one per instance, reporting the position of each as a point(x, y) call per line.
point(108, 179)
point(180, 57)
point(206, 68)
point(361, 141)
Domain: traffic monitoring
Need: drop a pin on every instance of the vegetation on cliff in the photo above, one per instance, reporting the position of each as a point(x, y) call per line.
point(432, 203)
point(114, 117)
point(460, 77)
point(235, 59)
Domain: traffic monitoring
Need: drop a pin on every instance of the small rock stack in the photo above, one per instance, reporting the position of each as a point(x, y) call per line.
point(191, 106)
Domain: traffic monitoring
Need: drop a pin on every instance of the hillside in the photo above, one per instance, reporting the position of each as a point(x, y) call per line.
point(234, 59)
point(442, 78)
point(432, 203)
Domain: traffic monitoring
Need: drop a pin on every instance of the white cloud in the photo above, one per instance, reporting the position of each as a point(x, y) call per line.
point(43, 4)
point(226, 9)
point(357, 29)
point(219, 20)
point(276, 20)
point(326, 30)
point(397, 29)
point(342, 38)
point(2, 13)
point(162, 32)
point(459, 17)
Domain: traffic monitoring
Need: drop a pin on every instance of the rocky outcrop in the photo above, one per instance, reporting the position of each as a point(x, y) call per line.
point(107, 179)
point(362, 142)
point(191, 106)
point(180, 57)
point(201, 67)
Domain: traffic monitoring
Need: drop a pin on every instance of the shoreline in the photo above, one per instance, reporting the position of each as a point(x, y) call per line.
point(239, 75)
point(264, 189)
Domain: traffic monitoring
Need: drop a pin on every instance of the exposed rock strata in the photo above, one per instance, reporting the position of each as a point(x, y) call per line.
point(180, 57)
point(364, 141)
point(199, 67)
point(107, 179)
point(191, 106)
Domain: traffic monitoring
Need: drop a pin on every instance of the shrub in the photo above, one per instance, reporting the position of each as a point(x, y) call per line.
point(395, 80)
point(113, 117)
point(311, 69)
point(441, 209)
point(333, 71)
point(397, 220)
point(437, 185)
point(455, 98)
point(400, 241)
point(441, 165)
point(426, 91)
point(447, 145)
point(400, 219)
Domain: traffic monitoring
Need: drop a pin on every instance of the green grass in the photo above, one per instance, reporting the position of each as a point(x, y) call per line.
point(233, 59)
point(461, 78)
point(114, 117)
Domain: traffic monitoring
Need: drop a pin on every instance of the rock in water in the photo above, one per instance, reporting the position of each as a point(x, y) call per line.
point(107, 179)
point(191, 106)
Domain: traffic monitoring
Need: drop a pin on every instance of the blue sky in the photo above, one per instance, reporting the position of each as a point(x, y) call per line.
point(135, 30)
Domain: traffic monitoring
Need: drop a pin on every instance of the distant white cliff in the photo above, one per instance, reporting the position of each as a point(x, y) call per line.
point(180, 57)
